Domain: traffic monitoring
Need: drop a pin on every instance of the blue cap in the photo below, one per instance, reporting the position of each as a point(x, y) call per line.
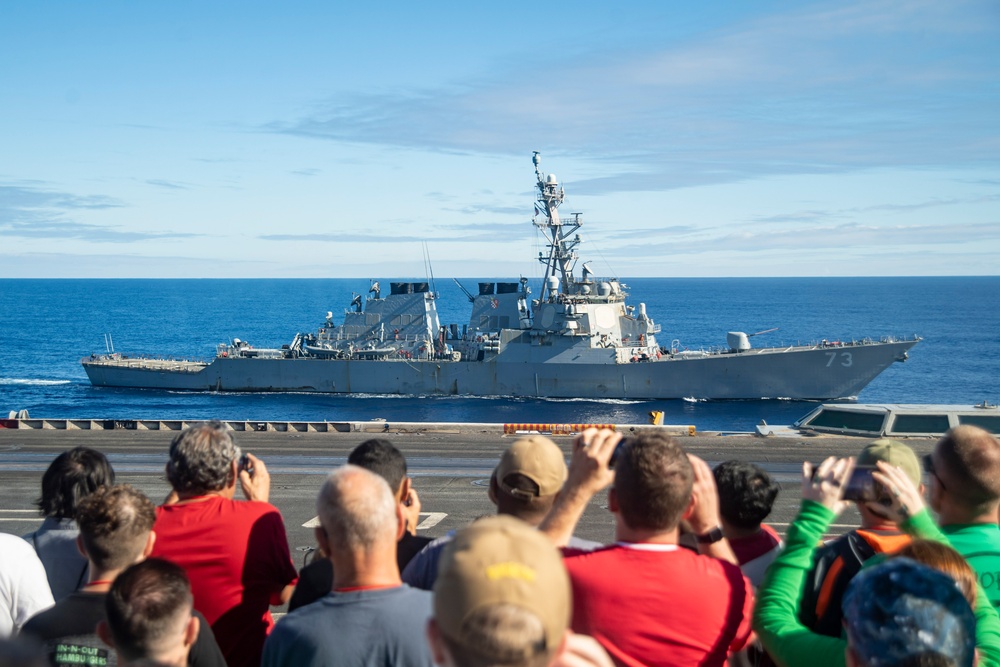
point(901, 609)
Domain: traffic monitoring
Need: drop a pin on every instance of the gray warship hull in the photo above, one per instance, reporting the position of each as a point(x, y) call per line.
point(578, 339)
point(802, 372)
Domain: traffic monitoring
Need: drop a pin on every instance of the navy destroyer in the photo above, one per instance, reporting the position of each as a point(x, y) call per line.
point(578, 339)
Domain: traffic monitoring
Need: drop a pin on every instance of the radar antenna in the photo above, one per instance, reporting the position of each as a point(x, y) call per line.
point(562, 243)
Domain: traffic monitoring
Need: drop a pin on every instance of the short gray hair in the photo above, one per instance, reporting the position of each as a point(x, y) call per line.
point(201, 458)
point(357, 509)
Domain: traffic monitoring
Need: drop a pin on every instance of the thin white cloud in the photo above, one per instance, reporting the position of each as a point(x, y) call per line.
point(850, 235)
point(816, 214)
point(816, 90)
point(169, 185)
point(336, 238)
point(40, 213)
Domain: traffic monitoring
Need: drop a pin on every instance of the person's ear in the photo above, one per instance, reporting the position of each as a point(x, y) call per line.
point(150, 542)
point(192, 630)
point(400, 522)
point(322, 540)
point(439, 652)
point(690, 509)
point(104, 632)
point(79, 546)
point(613, 500)
point(404, 489)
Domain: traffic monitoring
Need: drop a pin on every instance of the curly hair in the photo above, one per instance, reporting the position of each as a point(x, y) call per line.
point(70, 478)
point(201, 458)
point(746, 493)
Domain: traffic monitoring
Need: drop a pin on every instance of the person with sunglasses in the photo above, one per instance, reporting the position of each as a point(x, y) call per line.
point(964, 491)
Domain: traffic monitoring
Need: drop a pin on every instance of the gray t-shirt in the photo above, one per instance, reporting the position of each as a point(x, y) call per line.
point(379, 627)
point(55, 544)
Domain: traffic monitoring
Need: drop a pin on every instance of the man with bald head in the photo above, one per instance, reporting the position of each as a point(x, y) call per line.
point(370, 617)
point(964, 490)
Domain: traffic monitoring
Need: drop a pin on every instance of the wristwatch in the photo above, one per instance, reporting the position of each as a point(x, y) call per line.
point(711, 537)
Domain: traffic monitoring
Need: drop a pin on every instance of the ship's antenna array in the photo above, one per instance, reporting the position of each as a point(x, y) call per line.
point(562, 244)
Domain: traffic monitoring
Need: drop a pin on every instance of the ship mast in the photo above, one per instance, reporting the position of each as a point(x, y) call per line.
point(562, 255)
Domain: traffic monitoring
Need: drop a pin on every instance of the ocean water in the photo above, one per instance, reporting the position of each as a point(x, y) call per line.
point(46, 326)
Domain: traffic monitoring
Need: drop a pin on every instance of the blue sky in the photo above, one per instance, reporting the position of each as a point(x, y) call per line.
point(318, 139)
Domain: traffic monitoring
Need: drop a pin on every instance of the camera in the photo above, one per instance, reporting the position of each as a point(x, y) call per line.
point(862, 486)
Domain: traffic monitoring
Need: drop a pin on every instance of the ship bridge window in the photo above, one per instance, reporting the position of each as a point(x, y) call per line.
point(989, 422)
point(920, 424)
point(845, 419)
point(373, 318)
point(492, 322)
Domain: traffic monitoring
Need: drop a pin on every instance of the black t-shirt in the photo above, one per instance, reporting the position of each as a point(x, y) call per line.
point(69, 633)
point(316, 578)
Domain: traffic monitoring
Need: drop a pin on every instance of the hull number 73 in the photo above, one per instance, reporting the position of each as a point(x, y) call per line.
point(846, 360)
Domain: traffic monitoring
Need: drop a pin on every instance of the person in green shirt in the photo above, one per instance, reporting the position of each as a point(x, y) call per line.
point(776, 620)
point(964, 490)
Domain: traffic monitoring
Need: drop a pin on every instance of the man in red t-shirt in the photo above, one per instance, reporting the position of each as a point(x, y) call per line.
point(647, 600)
point(235, 553)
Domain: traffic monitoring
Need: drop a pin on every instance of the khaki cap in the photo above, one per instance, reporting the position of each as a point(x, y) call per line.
point(537, 458)
point(894, 453)
point(502, 560)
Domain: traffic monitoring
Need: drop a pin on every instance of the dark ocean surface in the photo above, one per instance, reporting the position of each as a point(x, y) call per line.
point(46, 326)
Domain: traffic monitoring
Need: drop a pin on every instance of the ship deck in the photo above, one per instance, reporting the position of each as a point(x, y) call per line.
point(172, 365)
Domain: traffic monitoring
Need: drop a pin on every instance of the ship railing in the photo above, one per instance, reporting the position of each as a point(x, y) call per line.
point(389, 338)
point(676, 347)
point(118, 357)
point(181, 365)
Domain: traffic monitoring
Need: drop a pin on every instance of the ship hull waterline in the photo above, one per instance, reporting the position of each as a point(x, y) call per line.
point(806, 373)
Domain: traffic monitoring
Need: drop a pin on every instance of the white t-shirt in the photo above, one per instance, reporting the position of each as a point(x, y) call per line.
point(24, 588)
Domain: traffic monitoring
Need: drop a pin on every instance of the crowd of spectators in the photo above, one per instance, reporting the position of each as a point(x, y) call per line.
point(694, 576)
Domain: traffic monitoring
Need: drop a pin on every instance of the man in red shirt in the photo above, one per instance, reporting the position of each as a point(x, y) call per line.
point(235, 553)
point(647, 600)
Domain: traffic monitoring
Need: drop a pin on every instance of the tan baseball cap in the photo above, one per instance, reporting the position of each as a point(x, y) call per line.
point(537, 458)
point(894, 453)
point(502, 560)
